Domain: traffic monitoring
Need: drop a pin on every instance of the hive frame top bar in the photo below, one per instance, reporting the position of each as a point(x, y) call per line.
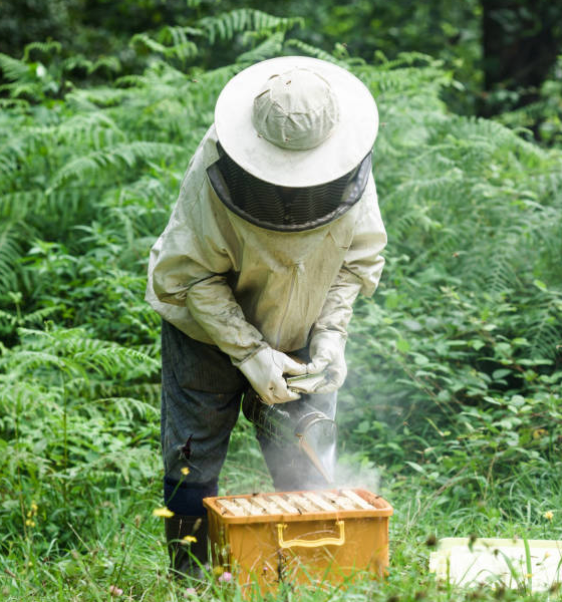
point(298, 505)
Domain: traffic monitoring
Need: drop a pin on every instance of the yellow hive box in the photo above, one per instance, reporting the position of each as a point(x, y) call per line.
point(299, 537)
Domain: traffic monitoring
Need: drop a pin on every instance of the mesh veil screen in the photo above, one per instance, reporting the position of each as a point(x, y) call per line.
point(279, 208)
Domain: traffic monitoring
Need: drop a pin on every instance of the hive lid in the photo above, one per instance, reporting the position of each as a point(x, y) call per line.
point(299, 505)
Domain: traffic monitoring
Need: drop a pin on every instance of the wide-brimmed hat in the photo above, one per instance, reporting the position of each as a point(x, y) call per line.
point(296, 121)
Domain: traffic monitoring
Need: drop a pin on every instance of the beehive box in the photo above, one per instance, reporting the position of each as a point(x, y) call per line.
point(299, 537)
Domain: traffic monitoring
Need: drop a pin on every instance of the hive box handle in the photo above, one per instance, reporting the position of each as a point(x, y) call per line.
point(314, 543)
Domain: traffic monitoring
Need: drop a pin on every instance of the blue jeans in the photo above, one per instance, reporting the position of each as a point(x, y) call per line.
point(201, 395)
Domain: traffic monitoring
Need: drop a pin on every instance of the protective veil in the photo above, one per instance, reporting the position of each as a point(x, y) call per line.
point(286, 209)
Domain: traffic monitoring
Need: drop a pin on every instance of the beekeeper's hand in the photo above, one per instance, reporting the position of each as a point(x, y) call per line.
point(265, 369)
point(327, 353)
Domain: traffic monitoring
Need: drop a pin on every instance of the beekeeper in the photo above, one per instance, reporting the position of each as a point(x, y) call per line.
point(275, 232)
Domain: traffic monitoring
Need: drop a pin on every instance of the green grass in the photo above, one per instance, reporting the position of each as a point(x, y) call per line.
point(122, 544)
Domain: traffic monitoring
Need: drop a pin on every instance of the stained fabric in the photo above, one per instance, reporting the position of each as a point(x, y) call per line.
point(281, 208)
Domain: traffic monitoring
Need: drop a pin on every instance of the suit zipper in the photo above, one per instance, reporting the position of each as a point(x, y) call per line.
point(293, 279)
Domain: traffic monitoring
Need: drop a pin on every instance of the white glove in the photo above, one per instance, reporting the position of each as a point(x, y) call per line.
point(265, 369)
point(327, 353)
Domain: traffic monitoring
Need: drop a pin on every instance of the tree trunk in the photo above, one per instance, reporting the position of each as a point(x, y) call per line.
point(521, 40)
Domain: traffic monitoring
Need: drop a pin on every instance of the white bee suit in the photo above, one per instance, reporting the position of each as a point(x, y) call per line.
point(224, 281)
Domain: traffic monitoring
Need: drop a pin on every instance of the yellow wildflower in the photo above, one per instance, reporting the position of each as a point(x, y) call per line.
point(529, 576)
point(538, 433)
point(218, 570)
point(549, 515)
point(30, 523)
point(162, 512)
point(185, 471)
point(34, 507)
point(190, 539)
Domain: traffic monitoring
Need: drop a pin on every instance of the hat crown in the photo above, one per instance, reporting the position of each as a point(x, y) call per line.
point(296, 110)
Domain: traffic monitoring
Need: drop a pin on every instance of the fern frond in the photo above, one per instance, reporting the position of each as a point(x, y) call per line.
point(313, 51)
point(7, 318)
point(178, 38)
point(12, 68)
point(127, 154)
point(271, 47)
point(130, 408)
point(545, 330)
point(95, 128)
point(8, 162)
point(151, 44)
point(20, 104)
point(499, 135)
point(413, 58)
point(266, 22)
point(110, 63)
point(15, 206)
point(17, 89)
point(92, 98)
point(10, 253)
point(44, 47)
point(77, 354)
point(111, 388)
point(31, 360)
point(549, 181)
point(226, 25)
point(76, 61)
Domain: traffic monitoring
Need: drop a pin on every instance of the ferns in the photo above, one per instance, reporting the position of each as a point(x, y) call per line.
point(179, 46)
point(269, 48)
point(13, 69)
point(10, 251)
point(226, 25)
point(180, 42)
point(469, 200)
point(72, 406)
point(309, 50)
point(110, 64)
point(455, 191)
point(43, 47)
point(99, 162)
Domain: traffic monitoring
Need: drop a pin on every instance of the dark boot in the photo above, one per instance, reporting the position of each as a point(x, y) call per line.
point(187, 559)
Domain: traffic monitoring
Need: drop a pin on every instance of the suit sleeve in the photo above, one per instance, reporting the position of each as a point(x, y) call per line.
point(361, 269)
point(188, 269)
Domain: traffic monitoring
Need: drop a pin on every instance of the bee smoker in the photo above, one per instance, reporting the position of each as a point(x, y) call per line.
point(296, 423)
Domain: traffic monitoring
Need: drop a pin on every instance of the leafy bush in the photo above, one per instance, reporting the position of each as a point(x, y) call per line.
point(460, 352)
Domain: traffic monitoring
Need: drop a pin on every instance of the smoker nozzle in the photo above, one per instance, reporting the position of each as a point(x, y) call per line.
point(296, 423)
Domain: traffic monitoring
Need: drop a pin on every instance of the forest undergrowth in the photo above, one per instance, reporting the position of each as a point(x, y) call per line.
point(453, 404)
